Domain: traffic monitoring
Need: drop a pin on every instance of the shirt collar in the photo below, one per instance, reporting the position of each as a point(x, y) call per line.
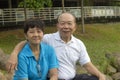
point(57, 37)
point(28, 51)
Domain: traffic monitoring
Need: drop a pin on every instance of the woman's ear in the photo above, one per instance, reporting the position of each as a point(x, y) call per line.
point(25, 36)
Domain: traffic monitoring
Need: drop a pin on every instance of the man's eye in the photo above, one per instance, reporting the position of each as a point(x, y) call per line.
point(62, 23)
point(69, 23)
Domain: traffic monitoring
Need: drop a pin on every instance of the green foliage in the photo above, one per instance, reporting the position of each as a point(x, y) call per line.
point(117, 3)
point(99, 40)
point(114, 3)
point(88, 2)
point(36, 4)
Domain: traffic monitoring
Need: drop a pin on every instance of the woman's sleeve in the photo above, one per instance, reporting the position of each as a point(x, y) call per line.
point(53, 61)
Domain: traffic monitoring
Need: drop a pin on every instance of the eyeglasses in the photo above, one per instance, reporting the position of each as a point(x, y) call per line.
point(38, 69)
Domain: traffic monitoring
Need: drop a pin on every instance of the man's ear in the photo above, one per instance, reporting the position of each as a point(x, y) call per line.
point(75, 27)
point(57, 25)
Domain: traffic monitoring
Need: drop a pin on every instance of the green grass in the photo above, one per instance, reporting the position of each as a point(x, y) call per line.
point(98, 38)
point(8, 39)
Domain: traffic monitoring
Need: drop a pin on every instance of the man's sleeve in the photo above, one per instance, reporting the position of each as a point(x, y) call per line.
point(84, 57)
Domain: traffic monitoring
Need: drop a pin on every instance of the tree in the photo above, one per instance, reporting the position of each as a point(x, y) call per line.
point(88, 2)
point(36, 3)
point(82, 15)
point(63, 8)
point(115, 2)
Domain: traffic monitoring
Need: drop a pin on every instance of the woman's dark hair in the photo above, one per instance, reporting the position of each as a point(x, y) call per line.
point(33, 22)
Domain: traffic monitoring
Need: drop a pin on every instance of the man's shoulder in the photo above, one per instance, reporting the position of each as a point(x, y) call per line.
point(77, 40)
point(50, 34)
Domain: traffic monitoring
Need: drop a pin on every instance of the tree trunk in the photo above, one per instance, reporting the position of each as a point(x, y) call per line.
point(82, 16)
point(63, 7)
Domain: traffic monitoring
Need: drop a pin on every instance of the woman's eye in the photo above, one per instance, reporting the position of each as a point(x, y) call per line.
point(39, 31)
point(31, 32)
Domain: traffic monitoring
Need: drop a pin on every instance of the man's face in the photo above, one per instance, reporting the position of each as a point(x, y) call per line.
point(66, 25)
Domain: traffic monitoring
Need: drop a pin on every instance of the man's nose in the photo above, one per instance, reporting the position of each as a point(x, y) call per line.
point(66, 25)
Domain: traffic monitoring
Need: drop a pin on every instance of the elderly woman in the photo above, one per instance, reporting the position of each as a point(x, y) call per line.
point(36, 59)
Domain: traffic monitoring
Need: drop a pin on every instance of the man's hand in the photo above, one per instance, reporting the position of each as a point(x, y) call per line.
point(94, 71)
point(11, 64)
point(102, 77)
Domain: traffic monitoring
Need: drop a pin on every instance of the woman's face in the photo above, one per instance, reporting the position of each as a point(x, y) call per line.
point(34, 35)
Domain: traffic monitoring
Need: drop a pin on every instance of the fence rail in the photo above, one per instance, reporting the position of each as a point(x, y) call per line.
point(16, 15)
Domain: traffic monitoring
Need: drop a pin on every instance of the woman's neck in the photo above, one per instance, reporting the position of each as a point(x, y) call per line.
point(35, 50)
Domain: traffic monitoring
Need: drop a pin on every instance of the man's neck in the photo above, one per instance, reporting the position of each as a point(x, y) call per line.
point(66, 39)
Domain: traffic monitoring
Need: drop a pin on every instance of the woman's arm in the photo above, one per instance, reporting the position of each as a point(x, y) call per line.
point(22, 68)
point(54, 74)
point(12, 61)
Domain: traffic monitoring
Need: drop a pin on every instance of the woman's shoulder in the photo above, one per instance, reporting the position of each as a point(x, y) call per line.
point(25, 50)
point(47, 48)
point(45, 45)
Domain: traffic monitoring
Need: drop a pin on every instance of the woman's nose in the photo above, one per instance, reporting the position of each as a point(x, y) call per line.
point(36, 34)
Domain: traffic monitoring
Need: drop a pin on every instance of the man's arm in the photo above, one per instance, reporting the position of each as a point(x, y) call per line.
point(54, 74)
point(12, 61)
point(94, 71)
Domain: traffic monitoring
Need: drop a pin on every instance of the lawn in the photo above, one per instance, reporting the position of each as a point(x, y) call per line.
point(98, 38)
